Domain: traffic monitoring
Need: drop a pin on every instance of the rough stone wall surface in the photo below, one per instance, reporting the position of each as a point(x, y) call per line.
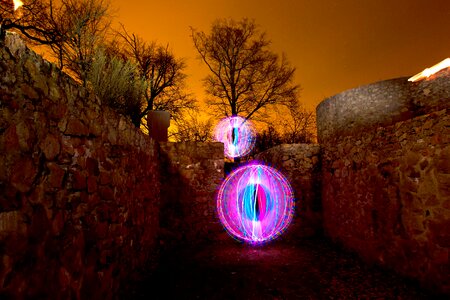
point(386, 195)
point(79, 186)
point(300, 163)
point(381, 104)
point(192, 174)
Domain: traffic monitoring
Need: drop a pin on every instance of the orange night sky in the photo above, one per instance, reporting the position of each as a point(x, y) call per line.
point(334, 45)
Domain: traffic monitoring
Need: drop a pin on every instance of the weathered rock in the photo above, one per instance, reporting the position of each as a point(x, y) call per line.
point(23, 174)
point(50, 146)
point(56, 176)
point(26, 135)
point(194, 172)
point(92, 184)
point(300, 164)
point(78, 180)
point(76, 128)
point(49, 198)
point(92, 166)
point(391, 203)
point(57, 111)
point(106, 193)
point(12, 222)
point(11, 139)
point(29, 92)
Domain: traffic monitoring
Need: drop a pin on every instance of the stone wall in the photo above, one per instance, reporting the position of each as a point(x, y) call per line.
point(386, 189)
point(193, 173)
point(79, 186)
point(300, 163)
point(381, 104)
point(86, 199)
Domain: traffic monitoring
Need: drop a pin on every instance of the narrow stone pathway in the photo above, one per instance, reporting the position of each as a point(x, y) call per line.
point(311, 269)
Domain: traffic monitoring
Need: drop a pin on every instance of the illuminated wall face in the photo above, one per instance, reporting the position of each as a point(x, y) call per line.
point(255, 203)
point(237, 135)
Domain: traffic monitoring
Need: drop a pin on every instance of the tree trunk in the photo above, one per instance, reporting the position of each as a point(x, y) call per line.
point(136, 119)
point(236, 160)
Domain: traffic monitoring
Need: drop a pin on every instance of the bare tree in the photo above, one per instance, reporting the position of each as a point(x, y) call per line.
point(266, 139)
point(30, 19)
point(192, 127)
point(75, 29)
point(245, 76)
point(296, 124)
point(72, 28)
point(163, 74)
point(84, 25)
point(290, 125)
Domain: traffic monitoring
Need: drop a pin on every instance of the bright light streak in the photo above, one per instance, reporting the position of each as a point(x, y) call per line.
point(17, 4)
point(237, 135)
point(430, 71)
point(255, 210)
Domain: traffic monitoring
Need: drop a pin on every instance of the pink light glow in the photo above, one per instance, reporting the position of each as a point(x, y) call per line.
point(255, 203)
point(237, 135)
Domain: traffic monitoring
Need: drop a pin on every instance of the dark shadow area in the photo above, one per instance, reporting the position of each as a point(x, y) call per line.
point(309, 269)
point(231, 166)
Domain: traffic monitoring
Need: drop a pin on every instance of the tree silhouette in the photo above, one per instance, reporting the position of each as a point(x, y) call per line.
point(191, 127)
point(163, 74)
point(296, 124)
point(84, 25)
point(245, 76)
point(291, 125)
point(31, 19)
point(73, 29)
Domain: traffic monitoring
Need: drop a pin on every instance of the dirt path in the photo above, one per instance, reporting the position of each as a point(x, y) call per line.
point(310, 270)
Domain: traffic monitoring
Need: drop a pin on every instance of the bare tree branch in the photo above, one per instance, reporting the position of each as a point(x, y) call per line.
point(162, 72)
point(292, 125)
point(245, 77)
point(31, 19)
point(72, 28)
point(192, 127)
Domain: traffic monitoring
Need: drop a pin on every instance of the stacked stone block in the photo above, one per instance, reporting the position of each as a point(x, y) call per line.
point(300, 163)
point(386, 179)
point(79, 186)
point(192, 176)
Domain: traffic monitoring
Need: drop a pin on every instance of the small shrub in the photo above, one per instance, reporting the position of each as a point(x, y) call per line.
point(116, 83)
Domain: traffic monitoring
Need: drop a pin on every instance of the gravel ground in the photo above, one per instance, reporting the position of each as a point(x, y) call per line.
point(311, 269)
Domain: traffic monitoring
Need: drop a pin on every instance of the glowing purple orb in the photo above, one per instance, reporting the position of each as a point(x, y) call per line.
point(255, 203)
point(237, 135)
